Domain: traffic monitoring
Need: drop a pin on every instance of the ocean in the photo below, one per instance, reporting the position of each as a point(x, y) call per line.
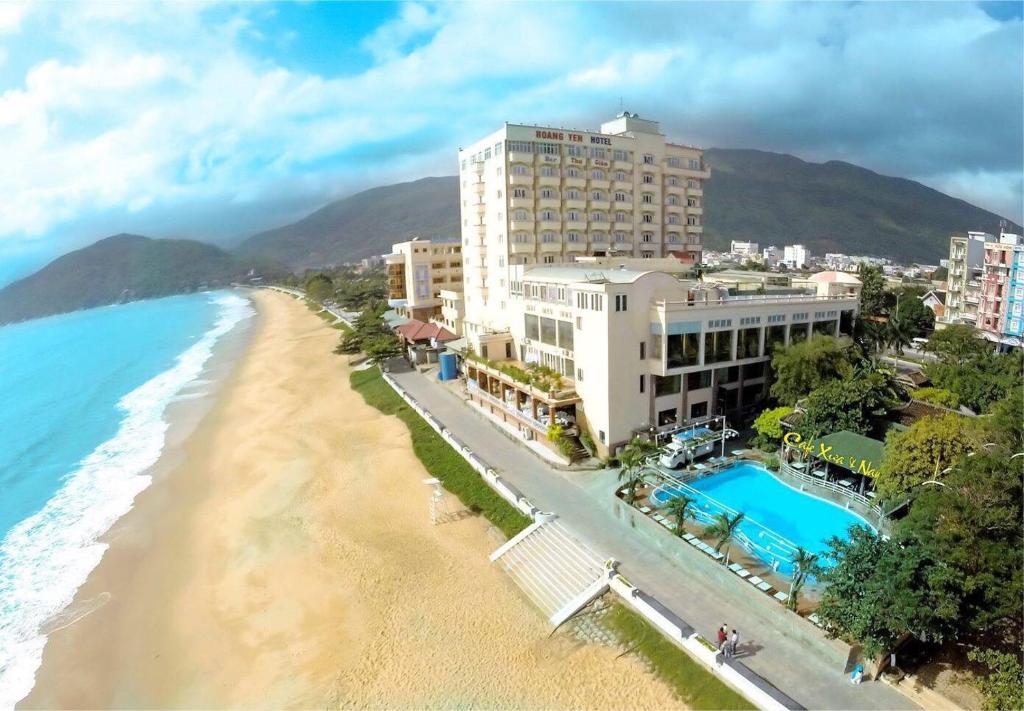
point(83, 400)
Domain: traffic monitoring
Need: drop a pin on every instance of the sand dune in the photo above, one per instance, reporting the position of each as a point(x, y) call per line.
point(288, 561)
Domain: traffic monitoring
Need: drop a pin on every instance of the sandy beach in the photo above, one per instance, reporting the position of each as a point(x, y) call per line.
point(286, 559)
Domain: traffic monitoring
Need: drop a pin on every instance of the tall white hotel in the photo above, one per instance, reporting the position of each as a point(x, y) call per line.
point(533, 195)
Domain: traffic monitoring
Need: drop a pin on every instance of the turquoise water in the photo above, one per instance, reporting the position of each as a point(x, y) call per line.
point(82, 401)
point(778, 517)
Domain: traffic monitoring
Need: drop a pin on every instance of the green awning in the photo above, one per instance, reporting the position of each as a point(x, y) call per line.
point(849, 450)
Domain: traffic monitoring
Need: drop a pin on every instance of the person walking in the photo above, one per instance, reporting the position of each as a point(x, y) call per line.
point(723, 635)
point(733, 643)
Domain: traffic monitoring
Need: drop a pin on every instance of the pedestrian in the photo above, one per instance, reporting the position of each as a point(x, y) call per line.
point(723, 634)
point(733, 643)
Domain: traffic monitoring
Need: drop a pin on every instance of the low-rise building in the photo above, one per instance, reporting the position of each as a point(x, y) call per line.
point(418, 271)
point(795, 256)
point(744, 250)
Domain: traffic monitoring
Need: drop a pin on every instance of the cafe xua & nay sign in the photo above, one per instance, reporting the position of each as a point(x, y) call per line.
point(828, 453)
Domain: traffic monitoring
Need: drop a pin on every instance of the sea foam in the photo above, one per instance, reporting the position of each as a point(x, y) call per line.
point(45, 558)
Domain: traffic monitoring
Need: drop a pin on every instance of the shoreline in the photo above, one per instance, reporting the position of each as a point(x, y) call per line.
point(287, 560)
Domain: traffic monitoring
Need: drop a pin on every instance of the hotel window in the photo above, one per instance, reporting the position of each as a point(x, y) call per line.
point(522, 237)
point(518, 192)
point(648, 159)
point(572, 216)
point(621, 302)
point(520, 215)
point(548, 215)
point(576, 151)
point(487, 154)
point(648, 178)
point(648, 218)
point(548, 172)
point(597, 153)
point(698, 409)
point(694, 164)
point(753, 370)
point(598, 217)
point(550, 149)
point(672, 200)
point(549, 259)
point(647, 198)
point(597, 174)
point(692, 220)
point(565, 335)
point(699, 380)
point(520, 146)
point(532, 327)
point(597, 195)
point(673, 237)
point(572, 194)
point(673, 181)
point(620, 197)
point(579, 375)
point(667, 385)
point(548, 237)
point(673, 161)
point(597, 237)
point(673, 219)
point(573, 236)
point(693, 184)
point(642, 380)
point(749, 345)
point(798, 332)
point(620, 155)
point(620, 175)
point(497, 149)
point(647, 236)
point(572, 172)
point(548, 194)
point(717, 346)
point(728, 375)
point(683, 350)
point(620, 217)
point(620, 237)
point(519, 170)
point(501, 261)
point(548, 331)
point(692, 202)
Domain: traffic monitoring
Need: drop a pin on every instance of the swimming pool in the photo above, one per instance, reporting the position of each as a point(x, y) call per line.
point(778, 517)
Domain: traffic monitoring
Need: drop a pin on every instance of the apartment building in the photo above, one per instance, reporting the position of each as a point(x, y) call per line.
point(535, 195)
point(963, 283)
point(639, 349)
point(418, 271)
point(745, 250)
point(1001, 298)
point(795, 256)
point(771, 256)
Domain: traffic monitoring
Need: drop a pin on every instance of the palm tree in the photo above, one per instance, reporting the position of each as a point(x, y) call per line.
point(724, 528)
point(678, 508)
point(897, 334)
point(805, 563)
point(631, 462)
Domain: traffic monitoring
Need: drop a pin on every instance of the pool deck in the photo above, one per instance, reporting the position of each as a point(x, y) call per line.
point(786, 650)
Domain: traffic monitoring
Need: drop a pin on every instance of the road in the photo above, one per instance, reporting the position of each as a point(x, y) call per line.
point(798, 661)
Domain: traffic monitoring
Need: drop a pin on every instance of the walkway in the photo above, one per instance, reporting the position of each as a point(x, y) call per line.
point(583, 500)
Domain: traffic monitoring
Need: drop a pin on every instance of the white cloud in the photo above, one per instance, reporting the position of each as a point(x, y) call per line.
point(12, 14)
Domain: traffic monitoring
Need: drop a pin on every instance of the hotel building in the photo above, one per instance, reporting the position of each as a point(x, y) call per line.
point(418, 271)
point(639, 349)
point(1002, 291)
point(966, 259)
point(534, 195)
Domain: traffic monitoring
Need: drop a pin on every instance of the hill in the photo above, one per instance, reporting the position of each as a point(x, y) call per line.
point(770, 198)
point(362, 225)
point(774, 198)
point(119, 268)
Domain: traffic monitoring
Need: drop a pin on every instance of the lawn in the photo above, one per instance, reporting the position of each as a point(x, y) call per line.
point(443, 462)
point(692, 682)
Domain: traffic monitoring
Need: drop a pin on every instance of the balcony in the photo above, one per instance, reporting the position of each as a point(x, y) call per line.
point(555, 246)
point(548, 203)
point(481, 209)
point(521, 226)
point(695, 192)
point(520, 157)
point(526, 180)
point(575, 225)
point(522, 247)
point(549, 180)
point(552, 225)
point(575, 204)
point(575, 182)
point(524, 203)
point(625, 205)
point(623, 165)
point(600, 205)
point(599, 184)
point(479, 187)
point(578, 246)
point(622, 185)
point(695, 210)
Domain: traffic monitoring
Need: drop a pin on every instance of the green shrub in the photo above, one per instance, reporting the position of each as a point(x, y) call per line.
point(588, 442)
point(438, 457)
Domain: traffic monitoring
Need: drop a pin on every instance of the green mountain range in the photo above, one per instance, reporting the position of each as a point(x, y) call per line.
point(769, 198)
point(119, 268)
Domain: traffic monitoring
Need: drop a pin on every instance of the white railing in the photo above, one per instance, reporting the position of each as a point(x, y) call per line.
point(474, 388)
point(842, 491)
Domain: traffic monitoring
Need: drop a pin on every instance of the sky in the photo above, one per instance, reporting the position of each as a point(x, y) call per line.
point(215, 120)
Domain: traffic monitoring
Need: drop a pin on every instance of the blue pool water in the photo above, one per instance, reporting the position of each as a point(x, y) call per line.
point(778, 517)
point(82, 417)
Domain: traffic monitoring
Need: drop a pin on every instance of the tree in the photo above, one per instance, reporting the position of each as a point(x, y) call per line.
point(957, 344)
point(724, 528)
point(678, 507)
point(878, 590)
point(869, 335)
point(936, 396)
point(768, 425)
point(857, 404)
point(875, 300)
point(916, 318)
point(1005, 423)
point(897, 334)
point(803, 366)
point(319, 287)
point(632, 459)
point(805, 564)
point(1003, 686)
point(381, 347)
point(921, 453)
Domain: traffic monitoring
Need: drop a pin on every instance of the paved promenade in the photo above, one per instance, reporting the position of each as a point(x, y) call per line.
point(791, 654)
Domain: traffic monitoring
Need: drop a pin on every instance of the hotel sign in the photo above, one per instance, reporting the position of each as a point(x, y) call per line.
point(551, 135)
point(817, 448)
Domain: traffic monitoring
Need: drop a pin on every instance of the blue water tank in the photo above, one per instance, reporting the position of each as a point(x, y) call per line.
point(449, 366)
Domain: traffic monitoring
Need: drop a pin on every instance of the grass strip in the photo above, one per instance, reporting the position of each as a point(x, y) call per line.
point(689, 679)
point(439, 458)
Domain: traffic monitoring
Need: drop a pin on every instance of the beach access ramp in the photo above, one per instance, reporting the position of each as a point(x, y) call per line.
point(555, 570)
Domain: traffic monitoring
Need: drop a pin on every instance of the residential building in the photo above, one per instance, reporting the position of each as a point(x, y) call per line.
point(1013, 330)
point(744, 250)
point(417, 272)
point(936, 301)
point(795, 256)
point(453, 311)
point(534, 195)
point(963, 283)
point(771, 256)
point(1002, 291)
point(638, 349)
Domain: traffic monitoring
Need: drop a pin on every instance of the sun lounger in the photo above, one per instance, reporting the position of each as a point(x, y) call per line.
point(820, 473)
point(743, 573)
point(734, 567)
point(781, 596)
point(700, 467)
point(813, 617)
point(764, 587)
point(693, 541)
point(645, 509)
point(688, 537)
point(870, 494)
point(754, 580)
point(845, 483)
point(716, 555)
point(672, 525)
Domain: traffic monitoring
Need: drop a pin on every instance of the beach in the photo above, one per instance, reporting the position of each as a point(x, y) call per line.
point(284, 557)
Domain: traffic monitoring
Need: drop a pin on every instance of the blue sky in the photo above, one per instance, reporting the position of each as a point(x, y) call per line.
point(214, 120)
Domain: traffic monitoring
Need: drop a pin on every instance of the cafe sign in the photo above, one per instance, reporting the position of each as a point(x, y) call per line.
point(828, 453)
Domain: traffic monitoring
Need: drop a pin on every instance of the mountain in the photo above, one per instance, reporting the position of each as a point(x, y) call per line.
point(769, 198)
point(774, 198)
point(362, 225)
point(119, 268)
